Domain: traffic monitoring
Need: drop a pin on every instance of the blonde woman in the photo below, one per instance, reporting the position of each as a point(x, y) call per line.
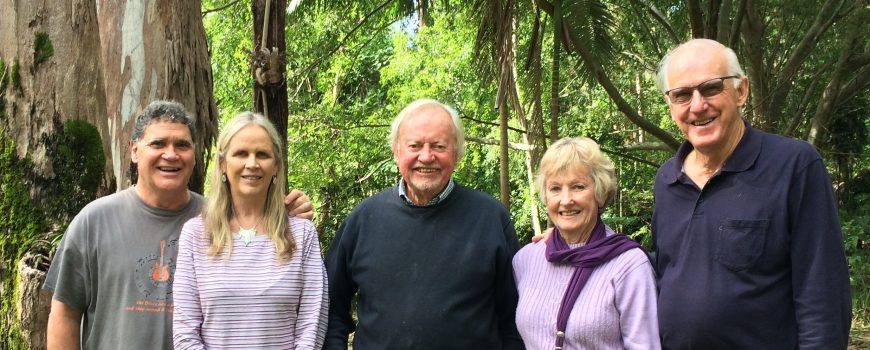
point(248, 276)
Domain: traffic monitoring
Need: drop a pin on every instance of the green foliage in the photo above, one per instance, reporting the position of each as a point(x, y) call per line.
point(229, 33)
point(856, 231)
point(14, 77)
point(42, 48)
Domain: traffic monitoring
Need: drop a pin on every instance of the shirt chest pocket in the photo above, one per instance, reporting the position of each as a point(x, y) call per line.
point(739, 243)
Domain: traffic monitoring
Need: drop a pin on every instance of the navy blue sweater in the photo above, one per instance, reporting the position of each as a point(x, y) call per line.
point(435, 277)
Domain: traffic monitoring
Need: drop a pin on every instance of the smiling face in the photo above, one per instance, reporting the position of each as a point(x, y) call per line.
point(425, 152)
point(249, 163)
point(711, 123)
point(571, 204)
point(164, 158)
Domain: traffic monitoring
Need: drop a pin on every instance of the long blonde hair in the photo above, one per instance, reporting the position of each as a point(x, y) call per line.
point(218, 207)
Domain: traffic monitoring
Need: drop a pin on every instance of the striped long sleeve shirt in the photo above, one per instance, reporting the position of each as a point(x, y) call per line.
point(249, 300)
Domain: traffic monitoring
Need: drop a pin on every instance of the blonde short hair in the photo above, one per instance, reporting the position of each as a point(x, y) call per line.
point(571, 153)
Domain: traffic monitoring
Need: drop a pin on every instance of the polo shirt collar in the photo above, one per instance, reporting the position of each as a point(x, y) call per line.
point(746, 152)
point(741, 159)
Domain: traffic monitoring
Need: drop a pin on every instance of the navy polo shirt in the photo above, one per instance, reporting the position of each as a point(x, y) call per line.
point(755, 260)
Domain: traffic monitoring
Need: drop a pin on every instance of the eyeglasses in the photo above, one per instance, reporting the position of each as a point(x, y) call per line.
point(709, 88)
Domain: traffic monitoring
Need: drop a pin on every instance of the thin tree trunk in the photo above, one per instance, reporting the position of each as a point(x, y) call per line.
point(723, 24)
point(853, 43)
point(504, 170)
point(554, 86)
point(269, 64)
point(752, 31)
point(711, 31)
point(696, 18)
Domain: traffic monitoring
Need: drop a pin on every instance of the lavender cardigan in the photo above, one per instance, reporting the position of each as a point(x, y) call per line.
point(616, 309)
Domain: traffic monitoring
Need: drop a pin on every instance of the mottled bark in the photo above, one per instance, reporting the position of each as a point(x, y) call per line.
point(155, 49)
point(65, 85)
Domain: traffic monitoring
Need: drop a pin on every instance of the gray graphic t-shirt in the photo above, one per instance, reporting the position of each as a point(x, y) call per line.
point(116, 264)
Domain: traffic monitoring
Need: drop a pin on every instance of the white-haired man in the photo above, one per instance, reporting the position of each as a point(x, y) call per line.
point(429, 258)
point(749, 248)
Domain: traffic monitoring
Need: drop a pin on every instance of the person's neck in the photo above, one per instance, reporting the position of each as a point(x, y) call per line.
point(576, 238)
point(168, 201)
point(711, 160)
point(248, 211)
point(422, 199)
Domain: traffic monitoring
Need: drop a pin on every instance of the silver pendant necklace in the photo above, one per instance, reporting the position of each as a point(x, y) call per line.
point(246, 234)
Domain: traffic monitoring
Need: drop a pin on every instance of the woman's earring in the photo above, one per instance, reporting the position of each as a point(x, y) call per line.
point(224, 177)
point(273, 179)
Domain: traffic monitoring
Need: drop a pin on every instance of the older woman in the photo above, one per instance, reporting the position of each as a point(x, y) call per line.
point(248, 276)
point(586, 287)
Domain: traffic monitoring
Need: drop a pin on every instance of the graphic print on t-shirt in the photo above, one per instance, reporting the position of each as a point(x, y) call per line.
point(154, 276)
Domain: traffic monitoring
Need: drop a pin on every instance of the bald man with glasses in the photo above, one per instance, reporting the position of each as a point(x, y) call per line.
point(749, 248)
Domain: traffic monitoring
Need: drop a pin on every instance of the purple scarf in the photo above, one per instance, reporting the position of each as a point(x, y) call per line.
point(598, 250)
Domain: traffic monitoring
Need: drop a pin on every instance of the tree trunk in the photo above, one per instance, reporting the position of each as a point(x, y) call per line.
point(554, 79)
point(50, 75)
point(504, 170)
point(723, 23)
point(57, 51)
point(34, 304)
point(534, 128)
point(696, 18)
point(155, 49)
point(753, 49)
point(852, 44)
point(268, 64)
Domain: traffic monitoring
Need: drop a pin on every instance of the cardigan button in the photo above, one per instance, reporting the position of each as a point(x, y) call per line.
point(560, 334)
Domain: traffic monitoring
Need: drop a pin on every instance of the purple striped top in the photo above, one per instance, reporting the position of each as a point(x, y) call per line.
point(249, 301)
